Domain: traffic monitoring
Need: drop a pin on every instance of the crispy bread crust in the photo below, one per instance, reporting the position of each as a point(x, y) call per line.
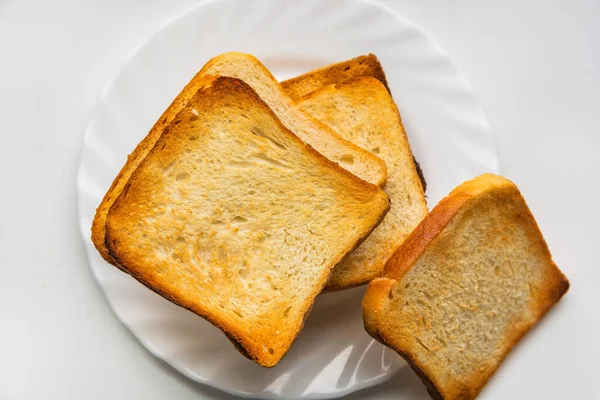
point(198, 82)
point(411, 250)
point(372, 162)
point(304, 84)
point(359, 88)
point(121, 255)
point(144, 147)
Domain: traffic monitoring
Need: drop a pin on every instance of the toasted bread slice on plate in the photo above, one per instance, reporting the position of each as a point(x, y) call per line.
point(470, 281)
point(233, 217)
point(362, 111)
point(362, 66)
point(246, 67)
point(136, 157)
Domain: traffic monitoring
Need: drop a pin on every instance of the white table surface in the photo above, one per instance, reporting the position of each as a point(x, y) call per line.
point(535, 67)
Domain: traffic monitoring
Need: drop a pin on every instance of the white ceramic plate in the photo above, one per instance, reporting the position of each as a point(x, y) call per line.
point(448, 132)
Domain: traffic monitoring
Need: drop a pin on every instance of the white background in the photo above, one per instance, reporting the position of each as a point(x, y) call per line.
point(535, 67)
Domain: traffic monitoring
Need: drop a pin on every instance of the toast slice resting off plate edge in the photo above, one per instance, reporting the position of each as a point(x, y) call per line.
point(472, 279)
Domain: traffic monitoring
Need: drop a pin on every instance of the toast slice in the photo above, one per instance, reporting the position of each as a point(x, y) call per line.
point(235, 218)
point(462, 290)
point(246, 67)
point(136, 157)
point(362, 111)
point(304, 84)
point(363, 66)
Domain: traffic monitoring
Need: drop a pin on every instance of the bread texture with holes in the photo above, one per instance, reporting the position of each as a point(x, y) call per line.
point(470, 281)
point(233, 217)
point(362, 66)
point(136, 157)
point(246, 67)
point(362, 111)
point(367, 66)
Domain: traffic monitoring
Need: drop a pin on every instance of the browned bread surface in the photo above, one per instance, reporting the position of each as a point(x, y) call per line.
point(233, 217)
point(304, 84)
point(137, 156)
point(362, 66)
point(461, 291)
point(362, 111)
point(248, 68)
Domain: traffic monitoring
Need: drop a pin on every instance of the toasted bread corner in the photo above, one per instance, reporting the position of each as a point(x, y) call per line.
point(365, 65)
point(98, 230)
point(376, 315)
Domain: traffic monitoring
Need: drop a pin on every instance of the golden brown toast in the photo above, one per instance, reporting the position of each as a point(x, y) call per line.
point(359, 67)
point(233, 217)
point(462, 290)
point(362, 66)
point(362, 111)
point(248, 68)
point(136, 157)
